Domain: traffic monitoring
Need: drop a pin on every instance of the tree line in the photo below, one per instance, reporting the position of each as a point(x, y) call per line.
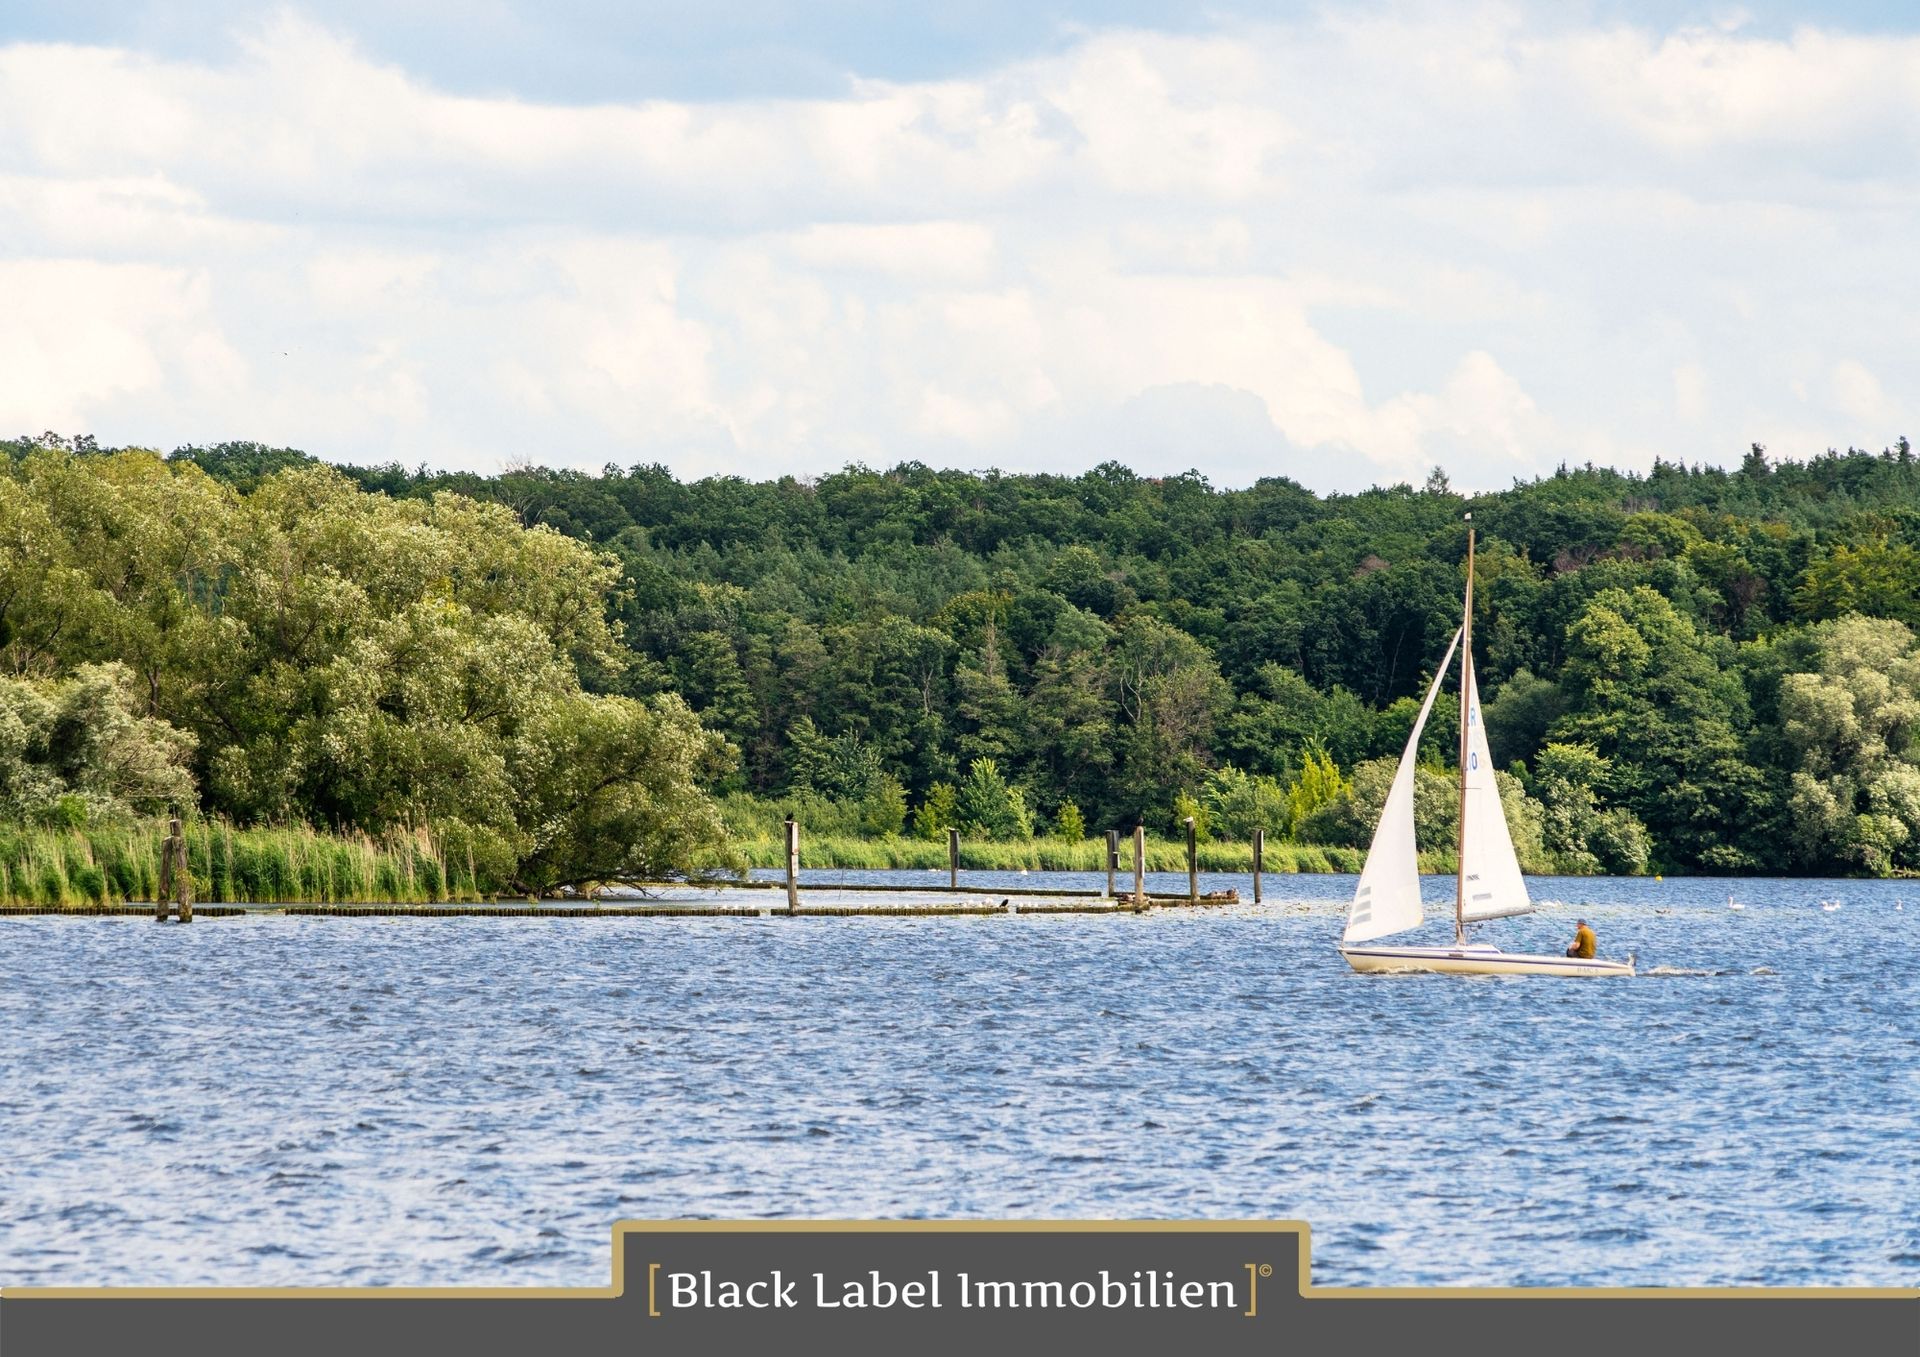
point(1692, 669)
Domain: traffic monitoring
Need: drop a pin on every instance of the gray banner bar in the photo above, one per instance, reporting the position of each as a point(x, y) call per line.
point(950, 1287)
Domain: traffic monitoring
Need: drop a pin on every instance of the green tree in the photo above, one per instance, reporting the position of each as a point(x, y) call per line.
point(988, 807)
point(715, 685)
point(1880, 578)
point(1170, 695)
point(1317, 784)
point(1851, 729)
point(1070, 728)
point(1519, 716)
point(1237, 803)
point(1650, 695)
point(1187, 807)
point(938, 813)
point(883, 809)
point(1581, 835)
point(989, 706)
point(611, 794)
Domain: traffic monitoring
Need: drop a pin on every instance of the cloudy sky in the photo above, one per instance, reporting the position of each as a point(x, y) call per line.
point(1343, 244)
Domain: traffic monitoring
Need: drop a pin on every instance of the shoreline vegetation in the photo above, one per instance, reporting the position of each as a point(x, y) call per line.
point(78, 868)
point(531, 684)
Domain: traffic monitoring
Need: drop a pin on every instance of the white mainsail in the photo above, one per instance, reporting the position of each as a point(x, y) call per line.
point(1494, 886)
point(1387, 900)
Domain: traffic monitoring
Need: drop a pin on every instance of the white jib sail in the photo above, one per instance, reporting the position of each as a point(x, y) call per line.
point(1495, 887)
point(1387, 900)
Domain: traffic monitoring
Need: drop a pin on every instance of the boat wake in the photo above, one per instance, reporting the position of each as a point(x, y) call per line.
point(1692, 973)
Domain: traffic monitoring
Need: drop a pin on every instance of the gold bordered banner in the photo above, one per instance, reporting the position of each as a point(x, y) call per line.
point(936, 1287)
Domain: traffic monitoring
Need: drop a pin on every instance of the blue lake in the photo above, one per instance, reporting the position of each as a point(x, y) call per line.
point(274, 1100)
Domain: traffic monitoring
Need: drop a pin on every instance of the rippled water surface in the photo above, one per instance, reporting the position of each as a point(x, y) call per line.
point(278, 1100)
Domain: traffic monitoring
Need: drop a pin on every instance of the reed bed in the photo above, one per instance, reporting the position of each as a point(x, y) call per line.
point(119, 864)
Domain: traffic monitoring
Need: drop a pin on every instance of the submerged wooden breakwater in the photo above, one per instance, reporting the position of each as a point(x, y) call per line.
point(133, 910)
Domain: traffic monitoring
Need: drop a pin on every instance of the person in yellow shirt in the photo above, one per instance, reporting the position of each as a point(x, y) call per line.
point(1584, 943)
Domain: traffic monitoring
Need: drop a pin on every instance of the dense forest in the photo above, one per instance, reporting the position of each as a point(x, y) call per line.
point(1693, 669)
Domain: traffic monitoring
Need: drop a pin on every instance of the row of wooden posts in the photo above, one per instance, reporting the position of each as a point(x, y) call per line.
point(1139, 895)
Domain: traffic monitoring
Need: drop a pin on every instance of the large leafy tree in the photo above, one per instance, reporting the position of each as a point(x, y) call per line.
point(1170, 696)
point(1853, 730)
point(1648, 693)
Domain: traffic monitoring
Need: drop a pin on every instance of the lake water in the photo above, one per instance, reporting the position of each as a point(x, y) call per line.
point(277, 1100)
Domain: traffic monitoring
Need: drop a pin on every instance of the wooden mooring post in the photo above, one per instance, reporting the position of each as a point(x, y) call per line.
point(953, 859)
point(1193, 863)
point(176, 883)
point(1140, 865)
point(1113, 858)
point(1259, 865)
point(793, 865)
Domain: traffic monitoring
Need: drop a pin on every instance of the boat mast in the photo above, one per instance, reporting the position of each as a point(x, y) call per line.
point(1466, 686)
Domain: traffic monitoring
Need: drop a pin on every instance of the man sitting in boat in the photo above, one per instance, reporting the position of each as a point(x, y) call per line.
point(1584, 943)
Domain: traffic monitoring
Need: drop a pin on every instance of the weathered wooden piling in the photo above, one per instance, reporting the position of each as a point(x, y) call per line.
point(176, 883)
point(1193, 863)
point(1113, 858)
point(1259, 853)
point(793, 865)
point(953, 859)
point(1140, 866)
point(164, 890)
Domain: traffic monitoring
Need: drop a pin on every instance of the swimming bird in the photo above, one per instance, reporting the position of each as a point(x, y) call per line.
point(1734, 904)
point(1829, 905)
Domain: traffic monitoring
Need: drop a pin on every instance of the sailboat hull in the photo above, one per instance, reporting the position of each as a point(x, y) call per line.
point(1477, 961)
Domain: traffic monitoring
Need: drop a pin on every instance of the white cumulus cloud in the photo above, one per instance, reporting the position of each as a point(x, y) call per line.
point(1343, 249)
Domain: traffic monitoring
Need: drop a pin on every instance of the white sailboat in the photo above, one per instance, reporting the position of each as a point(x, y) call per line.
point(1489, 884)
